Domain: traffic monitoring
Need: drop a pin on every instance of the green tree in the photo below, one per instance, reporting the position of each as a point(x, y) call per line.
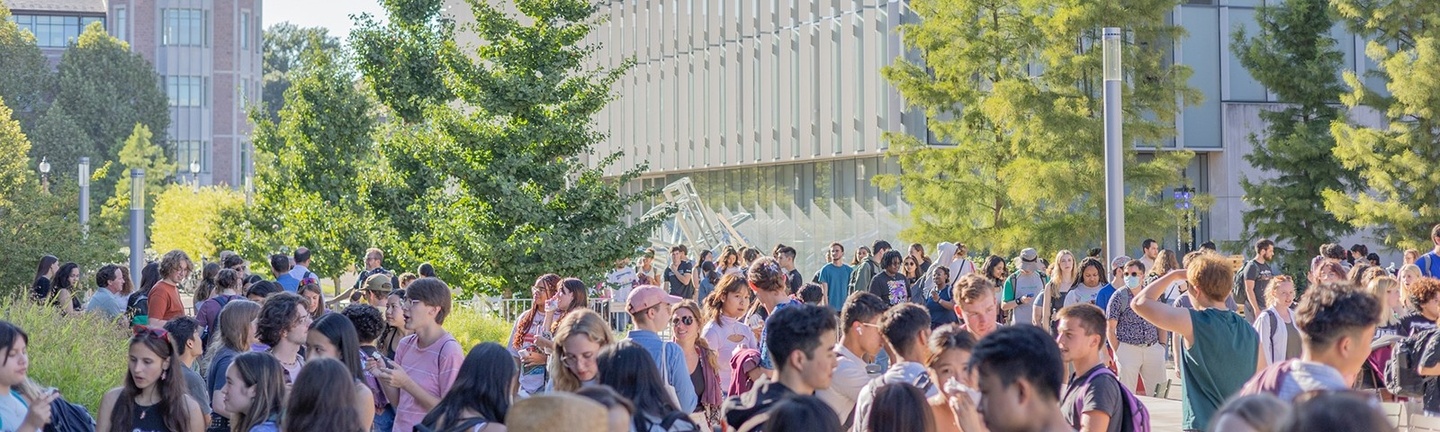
point(189, 220)
point(60, 139)
point(1395, 161)
point(108, 90)
point(14, 167)
point(284, 45)
point(25, 78)
point(138, 152)
point(308, 169)
point(497, 175)
point(1016, 88)
point(1294, 57)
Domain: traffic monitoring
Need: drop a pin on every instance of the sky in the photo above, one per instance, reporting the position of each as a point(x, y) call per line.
point(331, 14)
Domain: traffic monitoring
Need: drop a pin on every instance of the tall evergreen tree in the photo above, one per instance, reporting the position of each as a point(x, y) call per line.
point(499, 174)
point(1395, 161)
point(25, 78)
point(1294, 57)
point(1016, 88)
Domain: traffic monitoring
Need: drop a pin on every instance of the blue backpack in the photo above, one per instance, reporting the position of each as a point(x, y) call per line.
point(1135, 418)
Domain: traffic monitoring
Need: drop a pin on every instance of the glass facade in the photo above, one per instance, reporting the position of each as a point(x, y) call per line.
point(186, 91)
point(54, 31)
point(186, 27)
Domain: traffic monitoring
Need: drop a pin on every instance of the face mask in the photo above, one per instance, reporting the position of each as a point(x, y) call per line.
point(1132, 281)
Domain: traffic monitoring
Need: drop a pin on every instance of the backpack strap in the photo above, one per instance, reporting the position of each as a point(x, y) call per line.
point(1274, 318)
point(671, 419)
point(1085, 385)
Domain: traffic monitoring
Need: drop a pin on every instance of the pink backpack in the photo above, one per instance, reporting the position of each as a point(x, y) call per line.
point(1135, 418)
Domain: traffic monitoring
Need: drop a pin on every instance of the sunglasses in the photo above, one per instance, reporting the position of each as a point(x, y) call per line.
point(154, 332)
point(1132, 274)
point(683, 320)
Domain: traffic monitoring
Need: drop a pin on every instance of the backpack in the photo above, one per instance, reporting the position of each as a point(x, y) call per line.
point(1237, 287)
point(137, 308)
point(1269, 380)
point(462, 426)
point(69, 417)
point(1402, 372)
point(222, 300)
point(1136, 417)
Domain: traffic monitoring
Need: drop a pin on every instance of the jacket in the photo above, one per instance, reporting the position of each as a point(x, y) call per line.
point(1273, 337)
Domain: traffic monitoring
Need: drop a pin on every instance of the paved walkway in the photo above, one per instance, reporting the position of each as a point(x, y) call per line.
point(1164, 413)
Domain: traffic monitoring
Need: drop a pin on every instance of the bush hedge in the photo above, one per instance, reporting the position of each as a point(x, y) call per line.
point(83, 355)
point(471, 327)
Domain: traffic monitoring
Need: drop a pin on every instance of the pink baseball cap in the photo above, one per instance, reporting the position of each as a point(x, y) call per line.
point(647, 296)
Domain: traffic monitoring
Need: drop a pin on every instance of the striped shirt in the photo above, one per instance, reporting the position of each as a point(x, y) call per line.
point(432, 368)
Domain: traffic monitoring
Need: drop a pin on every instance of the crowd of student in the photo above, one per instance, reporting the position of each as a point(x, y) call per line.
point(741, 341)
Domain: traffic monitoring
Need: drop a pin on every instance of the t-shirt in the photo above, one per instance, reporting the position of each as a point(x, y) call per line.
point(1219, 359)
point(289, 283)
point(794, 280)
point(1081, 293)
point(1102, 298)
point(165, 301)
point(672, 280)
point(267, 426)
point(765, 360)
point(1415, 323)
point(1130, 328)
point(726, 337)
point(432, 368)
point(1304, 376)
point(893, 289)
point(1021, 285)
point(195, 385)
point(12, 411)
point(1428, 358)
point(1261, 274)
point(1103, 394)
point(904, 372)
point(218, 366)
point(106, 303)
point(836, 279)
point(1429, 264)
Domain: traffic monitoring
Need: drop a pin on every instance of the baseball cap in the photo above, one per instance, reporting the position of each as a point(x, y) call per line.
point(647, 296)
point(1120, 261)
point(1028, 259)
point(379, 283)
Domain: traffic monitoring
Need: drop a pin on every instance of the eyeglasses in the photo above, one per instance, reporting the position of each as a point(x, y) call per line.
point(155, 332)
point(683, 320)
point(571, 359)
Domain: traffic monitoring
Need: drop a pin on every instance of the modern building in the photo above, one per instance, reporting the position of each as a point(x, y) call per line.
point(208, 57)
point(776, 112)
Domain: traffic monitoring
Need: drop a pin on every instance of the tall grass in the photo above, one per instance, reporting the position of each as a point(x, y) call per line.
point(471, 327)
point(83, 355)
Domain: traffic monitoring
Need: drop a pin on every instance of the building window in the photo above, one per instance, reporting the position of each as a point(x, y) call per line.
point(185, 91)
point(184, 27)
point(54, 31)
point(245, 31)
point(122, 23)
point(192, 151)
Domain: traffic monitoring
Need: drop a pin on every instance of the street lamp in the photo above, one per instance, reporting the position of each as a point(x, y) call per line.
point(45, 174)
point(195, 174)
point(1114, 158)
point(1184, 196)
point(84, 194)
point(137, 223)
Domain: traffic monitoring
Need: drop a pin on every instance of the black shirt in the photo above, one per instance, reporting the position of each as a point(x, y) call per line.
point(673, 284)
point(1415, 323)
point(766, 394)
point(41, 289)
point(883, 284)
point(794, 280)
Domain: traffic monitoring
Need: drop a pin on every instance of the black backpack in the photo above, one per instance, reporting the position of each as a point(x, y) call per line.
point(222, 300)
point(1402, 372)
point(69, 417)
point(1237, 288)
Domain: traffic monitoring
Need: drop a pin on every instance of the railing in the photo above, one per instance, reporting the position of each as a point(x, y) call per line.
point(511, 309)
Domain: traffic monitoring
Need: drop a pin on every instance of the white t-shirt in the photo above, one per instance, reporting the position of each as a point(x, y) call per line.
point(620, 280)
point(12, 412)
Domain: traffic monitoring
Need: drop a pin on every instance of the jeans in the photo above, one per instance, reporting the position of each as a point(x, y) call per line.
point(384, 420)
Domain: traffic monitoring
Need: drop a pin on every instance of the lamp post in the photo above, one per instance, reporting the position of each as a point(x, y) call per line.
point(1114, 157)
point(1183, 202)
point(249, 189)
point(45, 174)
point(137, 223)
point(195, 174)
point(84, 194)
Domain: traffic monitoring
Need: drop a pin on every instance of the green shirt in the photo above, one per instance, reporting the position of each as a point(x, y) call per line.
point(1218, 361)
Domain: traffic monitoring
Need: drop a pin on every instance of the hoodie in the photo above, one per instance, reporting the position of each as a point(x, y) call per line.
point(945, 259)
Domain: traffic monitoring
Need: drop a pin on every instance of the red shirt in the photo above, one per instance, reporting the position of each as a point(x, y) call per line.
point(165, 302)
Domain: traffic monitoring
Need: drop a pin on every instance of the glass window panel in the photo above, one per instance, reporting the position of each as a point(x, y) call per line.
point(184, 27)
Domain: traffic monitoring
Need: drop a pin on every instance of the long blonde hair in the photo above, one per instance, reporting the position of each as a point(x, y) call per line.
point(579, 322)
point(1377, 288)
point(1055, 266)
point(708, 355)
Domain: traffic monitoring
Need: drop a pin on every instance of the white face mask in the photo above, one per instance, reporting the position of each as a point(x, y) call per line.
point(1132, 281)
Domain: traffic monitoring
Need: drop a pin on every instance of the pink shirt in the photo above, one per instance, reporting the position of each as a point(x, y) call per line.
point(725, 339)
point(433, 368)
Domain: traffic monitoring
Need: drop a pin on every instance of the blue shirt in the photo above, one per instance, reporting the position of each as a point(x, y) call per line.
point(765, 360)
point(106, 302)
point(939, 314)
point(1103, 298)
point(290, 283)
point(1429, 264)
point(672, 366)
point(837, 282)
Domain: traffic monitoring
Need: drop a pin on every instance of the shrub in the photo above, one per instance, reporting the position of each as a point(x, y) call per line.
point(83, 355)
point(471, 327)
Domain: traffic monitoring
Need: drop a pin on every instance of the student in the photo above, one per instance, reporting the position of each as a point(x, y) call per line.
point(234, 336)
point(802, 413)
point(333, 337)
point(650, 309)
point(185, 334)
point(630, 369)
point(1337, 322)
point(427, 362)
point(323, 398)
point(907, 331)
point(901, 407)
point(108, 299)
point(314, 300)
point(1019, 371)
point(227, 284)
point(950, 349)
point(619, 408)
point(1278, 329)
point(1139, 352)
point(1100, 407)
point(394, 324)
point(164, 299)
point(481, 395)
point(700, 364)
point(834, 277)
point(889, 283)
point(259, 291)
point(976, 304)
point(801, 339)
point(153, 398)
point(767, 281)
point(283, 326)
point(368, 324)
point(724, 331)
point(858, 346)
point(1254, 413)
point(529, 331)
point(25, 405)
point(1220, 345)
point(253, 389)
point(581, 336)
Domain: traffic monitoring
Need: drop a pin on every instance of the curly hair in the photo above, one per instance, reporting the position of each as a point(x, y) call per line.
point(797, 328)
point(1421, 291)
point(1332, 310)
point(278, 315)
point(368, 321)
point(171, 262)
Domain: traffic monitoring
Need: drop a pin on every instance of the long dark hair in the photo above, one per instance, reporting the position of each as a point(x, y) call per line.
point(322, 398)
point(209, 283)
point(45, 263)
point(802, 413)
point(263, 371)
point(547, 284)
point(578, 294)
point(484, 386)
point(341, 333)
point(1085, 263)
point(149, 276)
point(171, 386)
point(62, 277)
point(989, 267)
point(905, 410)
point(628, 368)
